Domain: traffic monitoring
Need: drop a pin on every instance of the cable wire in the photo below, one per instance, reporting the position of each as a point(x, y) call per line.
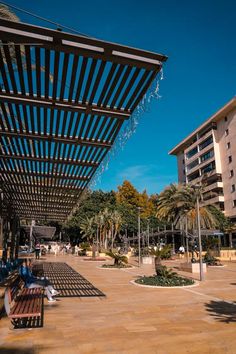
point(44, 19)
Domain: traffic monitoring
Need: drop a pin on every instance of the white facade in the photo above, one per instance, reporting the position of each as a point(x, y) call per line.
point(208, 156)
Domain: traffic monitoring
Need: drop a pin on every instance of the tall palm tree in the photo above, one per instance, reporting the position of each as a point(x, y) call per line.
point(188, 196)
point(106, 226)
point(177, 203)
point(88, 228)
point(168, 205)
point(116, 221)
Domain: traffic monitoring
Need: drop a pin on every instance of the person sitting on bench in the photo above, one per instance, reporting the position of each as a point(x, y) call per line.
point(34, 282)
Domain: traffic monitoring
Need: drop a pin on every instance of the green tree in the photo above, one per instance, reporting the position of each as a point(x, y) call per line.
point(90, 206)
point(128, 195)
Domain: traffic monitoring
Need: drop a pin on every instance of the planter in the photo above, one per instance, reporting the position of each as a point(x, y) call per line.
point(164, 287)
point(147, 260)
point(192, 267)
point(102, 254)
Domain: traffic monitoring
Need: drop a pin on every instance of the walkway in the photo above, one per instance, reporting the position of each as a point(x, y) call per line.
point(132, 319)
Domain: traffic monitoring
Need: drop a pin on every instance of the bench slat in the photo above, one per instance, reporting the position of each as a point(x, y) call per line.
point(28, 304)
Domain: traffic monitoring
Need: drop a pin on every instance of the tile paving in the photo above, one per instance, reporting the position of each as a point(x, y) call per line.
point(132, 319)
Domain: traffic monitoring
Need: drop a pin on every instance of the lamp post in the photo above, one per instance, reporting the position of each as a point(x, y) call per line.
point(139, 248)
point(199, 236)
point(148, 232)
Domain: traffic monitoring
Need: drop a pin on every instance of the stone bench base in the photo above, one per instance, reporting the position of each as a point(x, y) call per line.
point(192, 267)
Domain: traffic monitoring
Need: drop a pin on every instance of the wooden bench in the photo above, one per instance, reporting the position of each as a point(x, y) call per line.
point(24, 306)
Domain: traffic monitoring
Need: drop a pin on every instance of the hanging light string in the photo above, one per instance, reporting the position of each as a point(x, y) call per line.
point(129, 128)
point(58, 25)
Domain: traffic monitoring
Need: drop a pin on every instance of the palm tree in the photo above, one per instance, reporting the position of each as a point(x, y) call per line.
point(106, 214)
point(119, 259)
point(168, 203)
point(177, 203)
point(116, 221)
point(159, 254)
point(187, 201)
point(88, 228)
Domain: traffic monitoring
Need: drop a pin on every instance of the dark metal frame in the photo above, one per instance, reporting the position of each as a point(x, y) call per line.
point(63, 101)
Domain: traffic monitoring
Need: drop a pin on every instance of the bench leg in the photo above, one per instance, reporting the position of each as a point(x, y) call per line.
point(19, 322)
point(30, 322)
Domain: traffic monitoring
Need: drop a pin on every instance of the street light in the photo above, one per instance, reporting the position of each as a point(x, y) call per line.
point(148, 232)
point(139, 248)
point(197, 188)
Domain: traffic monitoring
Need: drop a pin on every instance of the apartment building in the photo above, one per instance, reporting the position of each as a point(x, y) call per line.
point(208, 155)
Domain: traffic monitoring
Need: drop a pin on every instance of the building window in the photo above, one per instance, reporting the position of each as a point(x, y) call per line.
point(231, 173)
point(233, 188)
point(206, 142)
point(208, 168)
point(207, 155)
point(184, 172)
point(226, 119)
point(234, 203)
point(191, 152)
point(226, 132)
point(192, 164)
point(230, 159)
point(193, 176)
point(222, 206)
point(228, 146)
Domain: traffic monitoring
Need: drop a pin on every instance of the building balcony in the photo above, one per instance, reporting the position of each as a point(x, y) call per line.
point(200, 165)
point(198, 141)
point(213, 186)
point(213, 200)
point(198, 154)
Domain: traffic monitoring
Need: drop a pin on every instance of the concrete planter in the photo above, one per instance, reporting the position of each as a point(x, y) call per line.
point(147, 260)
point(192, 267)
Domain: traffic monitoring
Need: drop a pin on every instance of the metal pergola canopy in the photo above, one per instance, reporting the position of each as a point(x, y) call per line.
point(63, 101)
point(40, 232)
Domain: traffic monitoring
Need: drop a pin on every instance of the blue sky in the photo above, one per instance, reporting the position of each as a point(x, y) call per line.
point(199, 76)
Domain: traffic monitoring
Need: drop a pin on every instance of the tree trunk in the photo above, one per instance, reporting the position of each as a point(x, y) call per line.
point(157, 264)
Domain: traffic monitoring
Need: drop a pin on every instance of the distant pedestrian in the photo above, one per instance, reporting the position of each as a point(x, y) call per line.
point(37, 250)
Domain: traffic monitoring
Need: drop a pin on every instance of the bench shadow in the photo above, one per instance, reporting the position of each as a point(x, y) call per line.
point(222, 311)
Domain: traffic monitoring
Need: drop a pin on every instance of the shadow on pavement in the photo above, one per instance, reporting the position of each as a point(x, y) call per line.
point(8, 350)
point(222, 311)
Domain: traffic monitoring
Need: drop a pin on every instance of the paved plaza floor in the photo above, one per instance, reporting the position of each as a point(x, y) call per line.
point(132, 319)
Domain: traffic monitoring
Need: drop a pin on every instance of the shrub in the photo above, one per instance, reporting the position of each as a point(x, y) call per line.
point(162, 281)
point(163, 271)
point(118, 258)
point(211, 260)
point(85, 246)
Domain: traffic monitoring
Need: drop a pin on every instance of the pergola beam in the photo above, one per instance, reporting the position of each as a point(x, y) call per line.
point(70, 162)
point(56, 139)
point(25, 33)
point(18, 98)
point(43, 175)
